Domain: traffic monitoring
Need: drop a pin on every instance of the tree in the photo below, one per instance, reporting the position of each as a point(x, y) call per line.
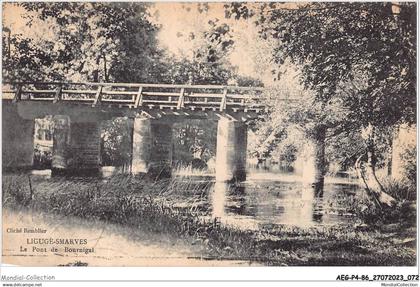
point(85, 41)
point(297, 117)
point(116, 142)
point(194, 139)
point(363, 54)
point(207, 62)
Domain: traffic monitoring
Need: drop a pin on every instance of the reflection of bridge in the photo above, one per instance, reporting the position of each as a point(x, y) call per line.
point(78, 109)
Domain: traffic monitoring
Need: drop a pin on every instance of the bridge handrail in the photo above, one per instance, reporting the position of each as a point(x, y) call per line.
point(134, 95)
point(138, 85)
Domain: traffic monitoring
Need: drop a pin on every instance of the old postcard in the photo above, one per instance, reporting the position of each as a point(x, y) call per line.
point(209, 134)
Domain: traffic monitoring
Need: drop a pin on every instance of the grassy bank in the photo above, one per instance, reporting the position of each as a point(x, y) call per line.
point(147, 205)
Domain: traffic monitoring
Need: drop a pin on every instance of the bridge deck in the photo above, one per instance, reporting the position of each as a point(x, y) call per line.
point(136, 96)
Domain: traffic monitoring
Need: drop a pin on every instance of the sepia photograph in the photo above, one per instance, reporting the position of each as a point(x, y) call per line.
point(228, 134)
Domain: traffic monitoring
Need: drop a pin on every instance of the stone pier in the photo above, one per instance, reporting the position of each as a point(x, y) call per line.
point(17, 139)
point(61, 143)
point(152, 147)
point(231, 150)
point(76, 147)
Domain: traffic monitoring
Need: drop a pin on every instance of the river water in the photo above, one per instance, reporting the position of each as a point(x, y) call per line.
point(265, 200)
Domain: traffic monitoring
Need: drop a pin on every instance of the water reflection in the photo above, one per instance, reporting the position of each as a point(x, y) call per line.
point(255, 204)
point(218, 199)
point(44, 173)
point(313, 198)
point(105, 172)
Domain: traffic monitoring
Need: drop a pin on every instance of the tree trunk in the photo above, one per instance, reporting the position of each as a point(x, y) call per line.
point(368, 174)
point(96, 71)
point(389, 156)
point(105, 70)
point(314, 167)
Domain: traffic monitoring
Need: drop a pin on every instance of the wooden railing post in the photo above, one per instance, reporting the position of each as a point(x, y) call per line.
point(180, 104)
point(18, 94)
point(139, 98)
point(98, 97)
point(223, 102)
point(57, 96)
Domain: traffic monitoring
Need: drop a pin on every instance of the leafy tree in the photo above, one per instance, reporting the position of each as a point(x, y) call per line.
point(85, 41)
point(362, 55)
point(208, 62)
point(116, 140)
point(23, 59)
point(194, 139)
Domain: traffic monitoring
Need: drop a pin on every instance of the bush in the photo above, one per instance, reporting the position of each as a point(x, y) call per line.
point(410, 167)
point(42, 158)
point(288, 154)
point(403, 212)
point(401, 191)
point(16, 191)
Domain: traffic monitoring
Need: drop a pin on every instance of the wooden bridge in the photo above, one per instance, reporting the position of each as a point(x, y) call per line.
point(79, 108)
point(140, 96)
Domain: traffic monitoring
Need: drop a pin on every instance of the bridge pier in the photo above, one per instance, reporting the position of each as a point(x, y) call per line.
point(61, 143)
point(152, 147)
point(17, 139)
point(231, 150)
point(76, 147)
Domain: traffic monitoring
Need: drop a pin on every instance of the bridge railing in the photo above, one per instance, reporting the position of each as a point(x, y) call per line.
point(153, 96)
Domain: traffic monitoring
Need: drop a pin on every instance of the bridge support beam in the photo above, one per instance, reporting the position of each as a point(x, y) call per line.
point(152, 148)
point(17, 139)
point(76, 147)
point(231, 150)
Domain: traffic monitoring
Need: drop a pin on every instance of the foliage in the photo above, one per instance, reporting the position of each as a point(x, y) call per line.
point(267, 139)
point(208, 61)
point(194, 138)
point(403, 213)
point(351, 44)
point(356, 61)
point(42, 158)
point(16, 191)
point(410, 165)
point(22, 59)
point(288, 154)
point(367, 48)
point(403, 191)
point(84, 41)
point(116, 142)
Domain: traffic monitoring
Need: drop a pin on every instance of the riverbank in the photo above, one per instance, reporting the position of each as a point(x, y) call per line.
point(137, 204)
point(107, 244)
